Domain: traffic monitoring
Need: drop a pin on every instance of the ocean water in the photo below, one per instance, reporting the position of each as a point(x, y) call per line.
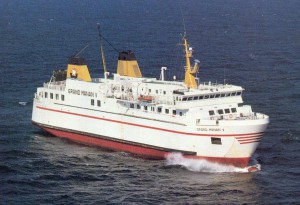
point(255, 44)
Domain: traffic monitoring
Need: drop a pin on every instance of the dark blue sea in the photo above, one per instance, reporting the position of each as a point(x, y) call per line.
point(255, 44)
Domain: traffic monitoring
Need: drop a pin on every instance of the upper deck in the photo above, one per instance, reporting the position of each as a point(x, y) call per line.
point(213, 102)
point(161, 92)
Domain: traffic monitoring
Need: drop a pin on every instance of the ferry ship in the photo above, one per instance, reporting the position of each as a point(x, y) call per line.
point(149, 117)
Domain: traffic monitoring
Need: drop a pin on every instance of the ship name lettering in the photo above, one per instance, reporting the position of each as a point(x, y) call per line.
point(87, 93)
point(73, 91)
point(210, 129)
point(214, 129)
point(82, 92)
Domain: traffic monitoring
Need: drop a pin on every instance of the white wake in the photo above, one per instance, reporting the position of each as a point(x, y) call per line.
point(22, 103)
point(201, 165)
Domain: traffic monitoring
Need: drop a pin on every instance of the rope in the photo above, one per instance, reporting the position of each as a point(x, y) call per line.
point(101, 36)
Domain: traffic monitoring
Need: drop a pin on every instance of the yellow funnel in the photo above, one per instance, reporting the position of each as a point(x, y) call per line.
point(78, 69)
point(128, 65)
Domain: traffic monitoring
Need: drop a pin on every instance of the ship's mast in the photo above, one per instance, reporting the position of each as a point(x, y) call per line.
point(102, 51)
point(190, 72)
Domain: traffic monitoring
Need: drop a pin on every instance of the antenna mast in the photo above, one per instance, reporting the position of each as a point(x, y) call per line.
point(101, 48)
point(77, 54)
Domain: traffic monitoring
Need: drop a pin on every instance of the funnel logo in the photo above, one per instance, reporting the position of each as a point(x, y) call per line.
point(73, 73)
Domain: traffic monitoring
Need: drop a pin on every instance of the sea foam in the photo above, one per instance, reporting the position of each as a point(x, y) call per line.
point(202, 165)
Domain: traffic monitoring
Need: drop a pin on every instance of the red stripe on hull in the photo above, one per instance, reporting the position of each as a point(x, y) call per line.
point(148, 127)
point(249, 137)
point(249, 142)
point(147, 152)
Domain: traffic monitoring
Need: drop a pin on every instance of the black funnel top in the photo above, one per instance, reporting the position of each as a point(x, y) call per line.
point(74, 60)
point(127, 55)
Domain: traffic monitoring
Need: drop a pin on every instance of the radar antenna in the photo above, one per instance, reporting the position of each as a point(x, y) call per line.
point(183, 23)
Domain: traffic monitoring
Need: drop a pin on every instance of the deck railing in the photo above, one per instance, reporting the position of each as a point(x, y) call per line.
point(60, 85)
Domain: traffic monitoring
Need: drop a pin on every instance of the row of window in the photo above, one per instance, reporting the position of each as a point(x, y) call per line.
point(221, 111)
point(145, 108)
point(219, 95)
point(62, 97)
point(156, 91)
point(155, 109)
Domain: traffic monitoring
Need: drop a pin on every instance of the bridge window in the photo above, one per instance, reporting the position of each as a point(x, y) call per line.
point(200, 97)
point(220, 112)
point(206, 96)
point(238, 93)
point(222, 95)
point(217, 95)
point(233, 110)
point(211, 112)
point(227, 111)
